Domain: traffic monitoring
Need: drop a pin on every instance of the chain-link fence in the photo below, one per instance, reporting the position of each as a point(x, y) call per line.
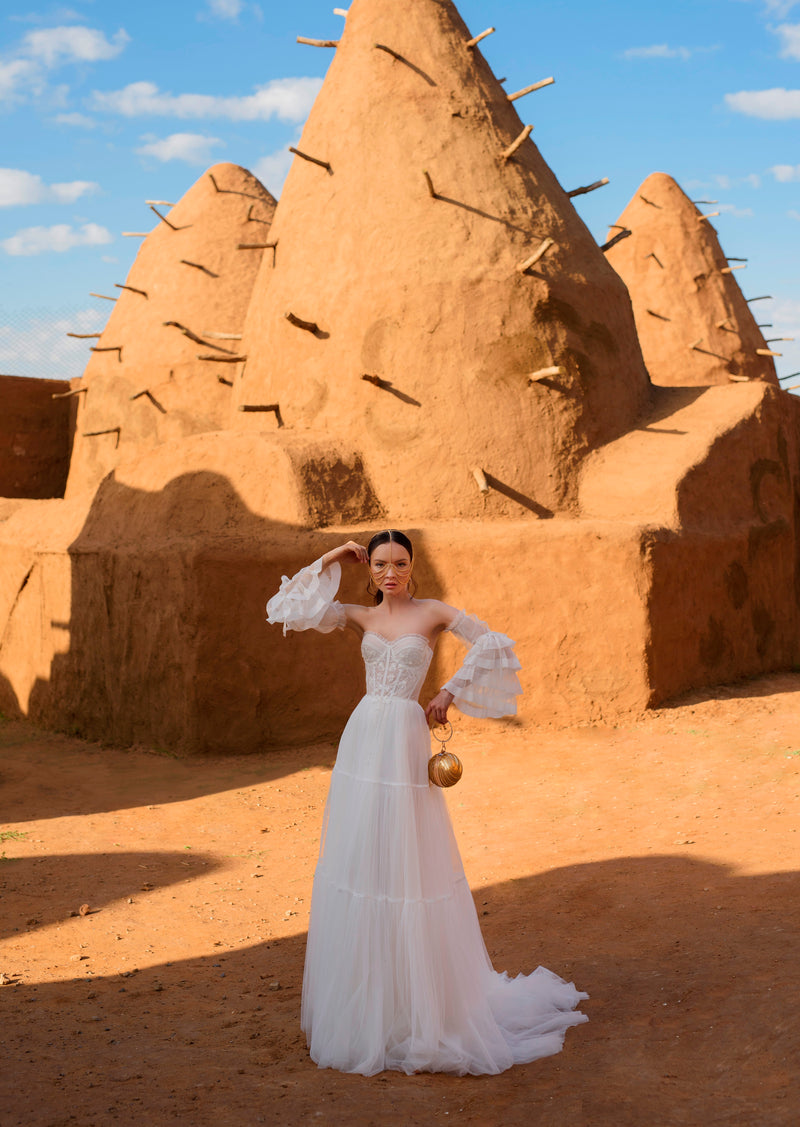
point(34, 341)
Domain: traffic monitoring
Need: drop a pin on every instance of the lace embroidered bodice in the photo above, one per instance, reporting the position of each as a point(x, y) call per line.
point(395, 668)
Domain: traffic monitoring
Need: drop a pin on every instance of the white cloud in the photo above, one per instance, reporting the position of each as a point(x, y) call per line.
point(771, 105)
point(36, 343)
point(790, 36)
point(793, 214)
point(72, 190)
point(225, 9)
point(54, 46)
point(753, 179)
point(15, 76)
point(25, 70)
point(780, 8)
point(19, 188)
point(658, 51)
point(288, 99)
point(78, 119)
point(737, 212)
point(59, 238)
point(785, 173)
point(194, 148)
point(273, 169)
point(723, 182)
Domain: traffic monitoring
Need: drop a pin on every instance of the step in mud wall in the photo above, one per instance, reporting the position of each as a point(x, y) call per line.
point(35, 436)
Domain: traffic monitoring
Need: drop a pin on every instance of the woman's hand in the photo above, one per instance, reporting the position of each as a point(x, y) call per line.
point(437, 708)
point(344, 550)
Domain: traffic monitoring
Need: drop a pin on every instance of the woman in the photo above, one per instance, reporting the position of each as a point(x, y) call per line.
point(397, 975)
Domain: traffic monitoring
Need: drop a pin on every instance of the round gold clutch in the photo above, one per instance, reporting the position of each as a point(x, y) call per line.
point(444, 768)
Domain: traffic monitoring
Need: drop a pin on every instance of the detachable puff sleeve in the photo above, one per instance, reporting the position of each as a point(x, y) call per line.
point(306, 601)
point(487, 683)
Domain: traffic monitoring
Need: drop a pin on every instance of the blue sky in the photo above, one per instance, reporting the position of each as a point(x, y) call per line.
point(103, 106)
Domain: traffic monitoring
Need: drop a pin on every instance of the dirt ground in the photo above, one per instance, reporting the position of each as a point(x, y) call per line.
point(654, 863)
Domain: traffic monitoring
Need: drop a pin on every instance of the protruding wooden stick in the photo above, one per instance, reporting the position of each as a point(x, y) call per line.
point(135, 234)
point(389, 51)
point(429, 182)
point(223, 336)
point(660, 316)
point(767, 352)
point(530, 89)
point(340, 12)
point(542, 249)
point(133, 289)
point(771, 340)
point(111, 430)
point(543, 373)
point(232, 191)
point(84, 336)
point(655, 256)
point(623, 234)
point(730, 269)
point(164, 219)
point(252, 407)
point(254, 218)
point(221, 379)
point(318, 42)
point(69, 394)
point(149, 395)
point(199, 266)
point(474, 41)
point(762, 297)
point(256, 246)
point(740, 379)
point(159, 203)
point(108, 348)
point(708, 203)
point(764, 324)
point(192, 336)
point(588, 188)
point(299, 323)
point(792, 388)
point(480, 479)
point(710, 215)
point(515, 144)
point(223, 359)
point(646, 200)
point(104, 296)
point(313, 160)
point(789, 377)
point(732, 258)
point(726, 325)
point(706, 351)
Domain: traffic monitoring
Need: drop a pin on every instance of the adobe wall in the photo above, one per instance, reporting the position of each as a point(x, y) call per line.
point(35, 436)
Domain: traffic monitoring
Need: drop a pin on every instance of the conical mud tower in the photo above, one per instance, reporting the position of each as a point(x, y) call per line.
point(163, 366)
point(432, 301)
point(695, 326)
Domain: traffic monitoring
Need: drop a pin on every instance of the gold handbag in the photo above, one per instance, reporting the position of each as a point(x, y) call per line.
point(444, 768)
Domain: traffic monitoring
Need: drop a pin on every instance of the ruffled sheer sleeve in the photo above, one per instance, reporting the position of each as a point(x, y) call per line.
point(487, 683)
point(306, 601)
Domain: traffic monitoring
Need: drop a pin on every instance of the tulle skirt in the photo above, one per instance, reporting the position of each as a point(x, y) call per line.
point(397, 975)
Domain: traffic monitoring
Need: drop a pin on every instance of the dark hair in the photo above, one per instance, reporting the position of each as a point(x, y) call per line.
point(389, 536)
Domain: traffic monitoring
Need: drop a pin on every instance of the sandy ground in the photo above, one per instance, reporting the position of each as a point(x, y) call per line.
point(655, 863)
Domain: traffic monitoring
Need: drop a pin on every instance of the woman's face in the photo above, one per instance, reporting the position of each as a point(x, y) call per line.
point(390, 565)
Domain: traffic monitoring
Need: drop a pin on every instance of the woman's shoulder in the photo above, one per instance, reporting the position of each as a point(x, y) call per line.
point(441, 613)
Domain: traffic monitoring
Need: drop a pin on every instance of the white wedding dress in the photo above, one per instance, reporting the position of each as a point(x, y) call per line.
point(396, 974)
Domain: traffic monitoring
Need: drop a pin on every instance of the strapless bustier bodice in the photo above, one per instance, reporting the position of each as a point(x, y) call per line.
point(395, 668)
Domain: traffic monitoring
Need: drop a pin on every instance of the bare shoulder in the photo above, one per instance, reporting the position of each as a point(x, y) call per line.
point(440, 614)
point(357, 616)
